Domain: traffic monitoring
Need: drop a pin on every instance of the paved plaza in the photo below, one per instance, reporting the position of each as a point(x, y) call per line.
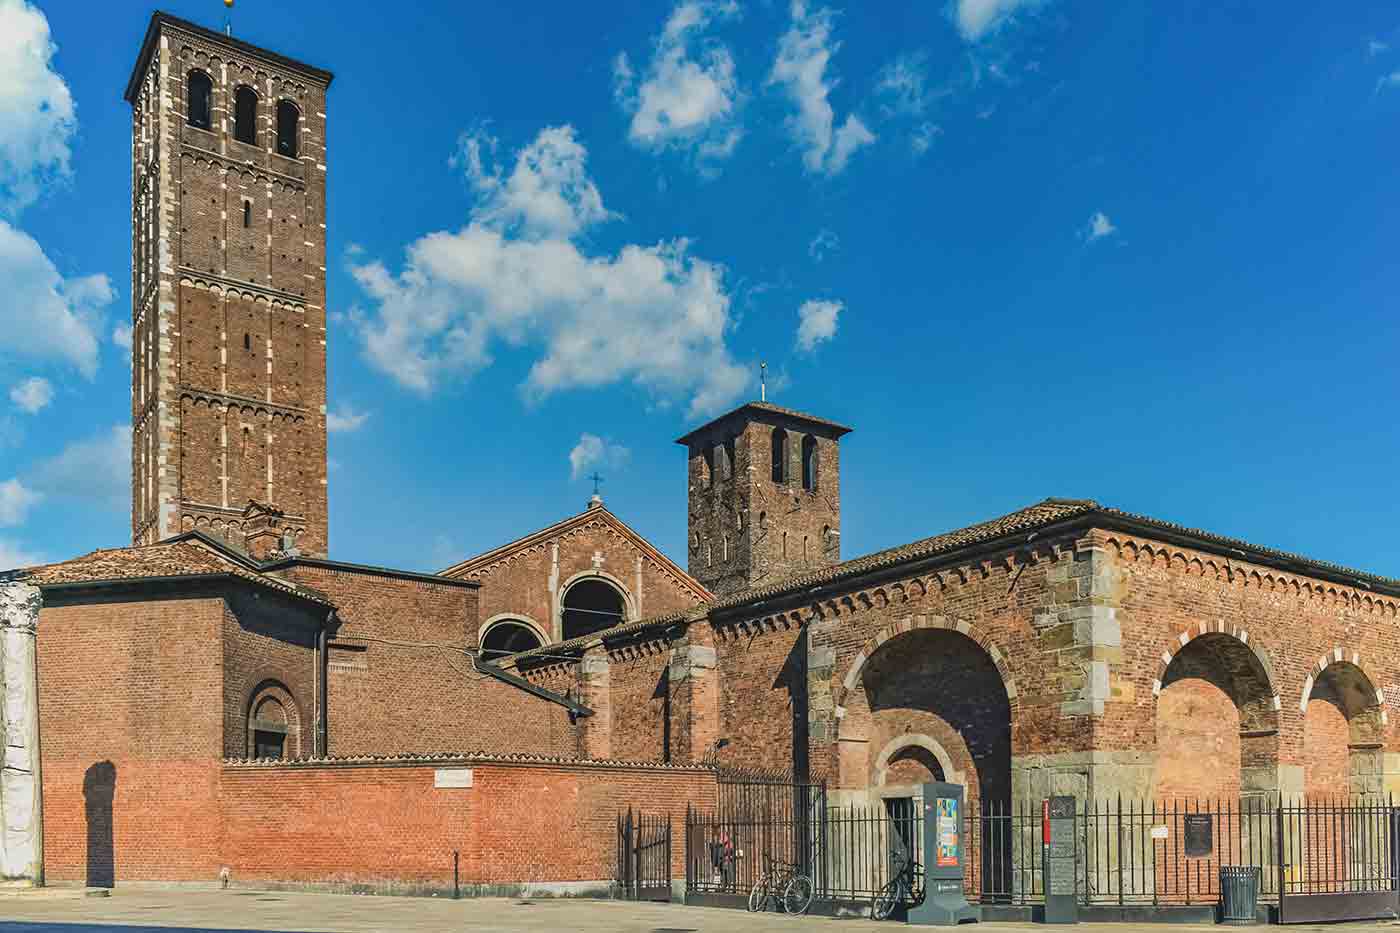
point(164, 910)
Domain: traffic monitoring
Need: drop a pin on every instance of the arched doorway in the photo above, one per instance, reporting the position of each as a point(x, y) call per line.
point(1343, 733)
point(1216, 722)
point(508, 636)
point(591, 605)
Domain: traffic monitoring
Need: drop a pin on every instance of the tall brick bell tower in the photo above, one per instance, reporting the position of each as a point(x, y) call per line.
point(228, 375)
point(765, 497)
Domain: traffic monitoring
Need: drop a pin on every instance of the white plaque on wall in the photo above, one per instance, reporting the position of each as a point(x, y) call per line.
point(452, 777)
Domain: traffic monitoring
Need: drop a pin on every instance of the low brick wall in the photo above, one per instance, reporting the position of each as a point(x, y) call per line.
point(543, 826)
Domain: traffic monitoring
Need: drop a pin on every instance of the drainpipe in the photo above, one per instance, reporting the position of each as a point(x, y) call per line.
point(322, 668)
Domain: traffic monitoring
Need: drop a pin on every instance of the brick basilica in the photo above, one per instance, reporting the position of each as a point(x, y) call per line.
point(223, 697)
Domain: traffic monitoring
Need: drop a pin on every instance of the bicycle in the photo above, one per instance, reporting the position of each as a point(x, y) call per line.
point(905, 886)
point(785, 877)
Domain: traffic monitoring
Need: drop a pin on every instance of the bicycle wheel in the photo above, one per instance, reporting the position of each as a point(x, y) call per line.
point(758, 896)
point(797, 896)
point(887, 900)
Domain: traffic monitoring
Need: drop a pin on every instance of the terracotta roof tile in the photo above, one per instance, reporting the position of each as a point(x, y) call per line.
point(181, 557)
point(1022, 521)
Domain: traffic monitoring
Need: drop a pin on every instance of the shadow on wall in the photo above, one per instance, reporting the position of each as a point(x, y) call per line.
point(99, 787)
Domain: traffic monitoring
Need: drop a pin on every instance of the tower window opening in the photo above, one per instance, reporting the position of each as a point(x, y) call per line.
point(729, 463)
point(779, 455)
point(804, 547)
point(245, 115)
point(785, 544)
point(247, 341)
point(247, 214)
point(809, 463)
point(287, 120)
point(199, 93)
point(707, 467)
point(724, 554)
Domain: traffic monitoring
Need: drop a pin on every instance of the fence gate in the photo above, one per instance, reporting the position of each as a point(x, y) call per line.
point(1337, 860)
point(644, 856)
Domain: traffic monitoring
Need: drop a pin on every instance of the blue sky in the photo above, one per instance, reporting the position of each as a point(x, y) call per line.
point(1142, 253)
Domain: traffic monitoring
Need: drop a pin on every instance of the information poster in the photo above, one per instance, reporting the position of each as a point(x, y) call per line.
point(948, 825)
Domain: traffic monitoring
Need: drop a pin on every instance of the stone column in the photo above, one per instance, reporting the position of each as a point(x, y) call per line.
point(595, 680)
point(21, 814)
point(694, 698)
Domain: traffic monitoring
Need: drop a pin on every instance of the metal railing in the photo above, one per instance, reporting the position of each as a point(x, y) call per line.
point(1159, 853)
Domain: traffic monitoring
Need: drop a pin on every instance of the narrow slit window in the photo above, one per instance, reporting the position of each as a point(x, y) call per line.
point(247, 214)
point(809, 463)
point(247, 341)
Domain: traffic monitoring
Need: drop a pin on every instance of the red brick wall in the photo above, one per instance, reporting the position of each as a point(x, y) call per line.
point(131, 715)
point(400, 681)
point(1198, 742)
point(517, 581)
point(1326, 769)
point(386, 827)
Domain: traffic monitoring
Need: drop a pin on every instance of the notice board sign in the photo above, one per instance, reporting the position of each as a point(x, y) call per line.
point(1199, 835)
point(949, 821)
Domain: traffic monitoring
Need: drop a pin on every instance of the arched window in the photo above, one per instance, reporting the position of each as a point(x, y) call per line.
point(707, 466)
point(724, 554)
point(730, 464)
point(273, 729)
point(809, 463)
point(508, 636)
point(199, 100)
point(779, 455)
point(287, 119)
point(591, 605)
point(245, 115)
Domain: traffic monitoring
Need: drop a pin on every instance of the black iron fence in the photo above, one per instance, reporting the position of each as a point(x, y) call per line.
point(643, 856)
point(1165, 853)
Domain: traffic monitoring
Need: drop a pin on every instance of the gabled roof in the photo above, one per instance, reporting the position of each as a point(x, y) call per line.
point(471, 564)
point(189, 556)
point(760, 409)
point(1021, 524)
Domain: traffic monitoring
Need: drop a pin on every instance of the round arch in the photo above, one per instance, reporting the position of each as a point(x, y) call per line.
point(1360, 692)
point(915, 623)
point(902, 743)
point(273, 721)
point(1207, 630)
point(598, 575)
point(1344, 726)
point(509, 633)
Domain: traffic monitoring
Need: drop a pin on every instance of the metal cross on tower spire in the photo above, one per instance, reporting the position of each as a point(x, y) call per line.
point(597, 481)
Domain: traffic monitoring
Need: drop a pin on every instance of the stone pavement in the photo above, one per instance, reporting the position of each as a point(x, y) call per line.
point(134, 909)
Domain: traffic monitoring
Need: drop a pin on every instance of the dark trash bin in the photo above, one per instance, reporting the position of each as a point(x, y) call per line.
point(1239, 893)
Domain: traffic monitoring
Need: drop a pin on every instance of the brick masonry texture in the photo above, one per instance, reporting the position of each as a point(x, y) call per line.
point(228, 297)
point(1063, 648)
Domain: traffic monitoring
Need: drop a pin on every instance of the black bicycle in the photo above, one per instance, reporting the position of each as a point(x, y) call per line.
point(905, 887)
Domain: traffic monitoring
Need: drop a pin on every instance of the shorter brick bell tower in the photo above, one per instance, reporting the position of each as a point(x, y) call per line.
point(765, 496)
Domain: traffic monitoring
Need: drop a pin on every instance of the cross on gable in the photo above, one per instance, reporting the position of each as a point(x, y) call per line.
point(598, 560)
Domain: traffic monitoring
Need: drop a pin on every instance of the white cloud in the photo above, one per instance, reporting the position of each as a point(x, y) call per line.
point(688, 95)
point(1099, 226)
point(977, 19)
point(15, 502)
point(656, 316)
point(345, 419)
point(121, 335)
point(592, 452)
point(44, 315)
point(13, 555)
point(923, 137)
point(901, 85)
point(1376, 47)
point(804, 52)
point(823, 244)
point(1390, 80)
point(548, 192)
point(32, 395)
point(817, 323)
point(36, 109)
point(97, 469)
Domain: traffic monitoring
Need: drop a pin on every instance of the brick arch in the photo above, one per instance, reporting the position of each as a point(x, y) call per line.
point(1219, 628)
point(1349, 663)
point(914, 623)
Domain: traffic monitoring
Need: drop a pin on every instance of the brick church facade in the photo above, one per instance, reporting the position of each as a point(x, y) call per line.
point(222, 696)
